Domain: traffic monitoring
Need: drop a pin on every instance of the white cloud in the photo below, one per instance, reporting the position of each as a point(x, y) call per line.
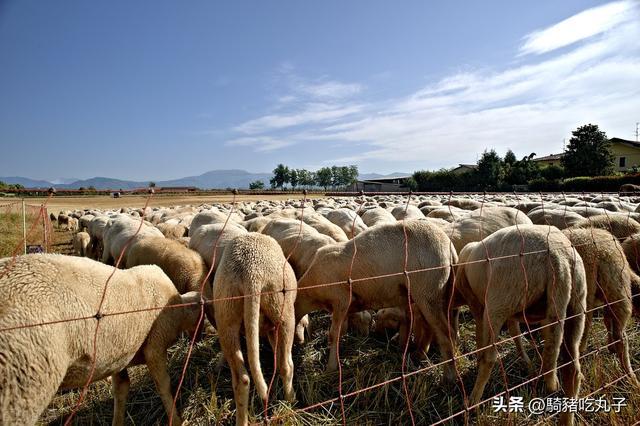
point(528, 107)
point(260, 143)
point(330, 89)
point(580, 26)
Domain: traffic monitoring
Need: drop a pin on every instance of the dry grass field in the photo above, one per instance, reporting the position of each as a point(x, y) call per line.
point(207, 396)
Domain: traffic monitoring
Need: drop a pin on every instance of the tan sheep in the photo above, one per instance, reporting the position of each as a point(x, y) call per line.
point(185, 267)
point(37, 361)
point(173, 231)
point(609, 280)
point(497, 292)
point(63, 221)
point(252, 264)
point(81, 242)
point(377, 216)
point(121, 233)
point(348, 220)
point(558, 217)
point(482, 223)
point(216, 234)
point(380, 253)
point(619, 225)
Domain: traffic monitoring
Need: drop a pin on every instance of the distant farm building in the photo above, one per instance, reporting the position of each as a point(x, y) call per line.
point(549, 160)
point(178, 189)
point(464, 168)
point(390, 184)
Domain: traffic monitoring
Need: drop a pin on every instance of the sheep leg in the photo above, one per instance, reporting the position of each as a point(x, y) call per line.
point(230, 343)
point(486, 357)
point(120, 383)
point(571, 375)
point(437, 320)
point(423, 335)
point(552, 341)
point(285, 360)
point(587, 326)
point(157, 363)
point(514, 331)
point(618, 334)
point(337, 320)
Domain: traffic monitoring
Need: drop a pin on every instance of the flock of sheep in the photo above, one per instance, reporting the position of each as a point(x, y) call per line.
point(259, 269)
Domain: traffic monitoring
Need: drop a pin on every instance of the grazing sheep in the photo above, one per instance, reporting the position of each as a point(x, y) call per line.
point(257, 223)
point(482, 223)
point(377, 216)
point(252, 264)
point(206, 217)
point(72, 224)
point(173, 230)
point(185, 267)
point(348, 220)
point(619, 225)
point(609, 280)
point(37, 361)
point(323, 225)
point(629, 188)
point(380, 253)
point(215, 234)
point(63, 220)
point(497, 292)
point(558, 217)
point(299, 242)
point(84, 220)
point(407, 212)
point(80, 244)
point(53, 217)
point(121, 234)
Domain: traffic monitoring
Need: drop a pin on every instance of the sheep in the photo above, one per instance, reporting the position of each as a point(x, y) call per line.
point(96, 229)
point(299, 242)
point(37, 361)
point(257, 223)
point(609, 280)
point(173, 231)
point(252, 264)
point(53, 217)
point(185, 267)
point(376, 216)
point(120, 234)
point(497, 292)
point(629, 188)
point(216, 234)
point(558, 217)
point(380, 253)
point(72, 224)
point(620, 226)
point(407, 212)
point(206, 217)
point(63, 220)
point(348, 220)
point(323, 225)
point(482, 223)
point(80, 244)
point(84, 220)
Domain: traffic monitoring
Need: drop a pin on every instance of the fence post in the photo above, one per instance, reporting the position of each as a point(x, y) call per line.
point(24, 226)
point(45, 218)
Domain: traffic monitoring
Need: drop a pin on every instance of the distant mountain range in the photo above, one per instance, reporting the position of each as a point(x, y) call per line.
point(214, 179)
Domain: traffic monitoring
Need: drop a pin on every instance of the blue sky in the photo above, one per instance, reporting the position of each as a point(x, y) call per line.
point(159, 90)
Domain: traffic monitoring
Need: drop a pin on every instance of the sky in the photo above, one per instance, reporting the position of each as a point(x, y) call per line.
point(167, 89)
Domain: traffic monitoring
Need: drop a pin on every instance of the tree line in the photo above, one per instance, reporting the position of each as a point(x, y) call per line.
point(327, 177)
point(588, 154)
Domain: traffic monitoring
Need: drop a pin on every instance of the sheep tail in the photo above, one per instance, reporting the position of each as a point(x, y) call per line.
point(252, 330)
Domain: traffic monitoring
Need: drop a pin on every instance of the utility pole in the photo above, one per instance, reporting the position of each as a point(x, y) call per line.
point(637, 124)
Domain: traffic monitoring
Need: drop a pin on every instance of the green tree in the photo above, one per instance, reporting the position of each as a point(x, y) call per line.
point(588, 153)
point(294, 179)
point(152, 184)
point(490, 170)
point(522, 171)
point(256, 184)
point(324, 177)
point(280, 176)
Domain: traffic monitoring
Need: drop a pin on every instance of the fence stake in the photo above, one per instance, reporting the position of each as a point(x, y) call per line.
point(24, 226)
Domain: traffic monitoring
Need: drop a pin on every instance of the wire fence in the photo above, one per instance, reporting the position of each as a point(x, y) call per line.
point(557, 316)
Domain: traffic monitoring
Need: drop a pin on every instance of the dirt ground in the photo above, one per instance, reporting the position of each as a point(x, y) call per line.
point(105, 202)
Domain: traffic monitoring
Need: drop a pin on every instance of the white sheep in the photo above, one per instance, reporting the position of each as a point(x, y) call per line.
point(39, 360)
point(81, 242)
point(253, 264)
